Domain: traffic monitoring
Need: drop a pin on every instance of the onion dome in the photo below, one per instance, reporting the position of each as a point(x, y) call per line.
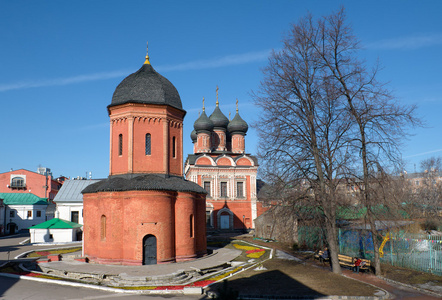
point(203, 123)
point(146, 86)
point(193, 136)
point(219, 120)
point(237, 125)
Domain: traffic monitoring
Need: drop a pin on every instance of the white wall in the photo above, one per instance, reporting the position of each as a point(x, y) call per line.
point(21, 218)
point(58, 235)
point(64, 211)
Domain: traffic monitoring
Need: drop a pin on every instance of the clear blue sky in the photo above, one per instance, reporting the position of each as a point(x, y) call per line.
point(60, 62)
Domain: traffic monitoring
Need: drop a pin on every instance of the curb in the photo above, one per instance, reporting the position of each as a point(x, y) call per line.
point(424, 291)
point(386, 296)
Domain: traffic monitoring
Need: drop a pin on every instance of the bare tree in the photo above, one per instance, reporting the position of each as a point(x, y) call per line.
point(327, 118)
point(380, 122)
point(303, 127)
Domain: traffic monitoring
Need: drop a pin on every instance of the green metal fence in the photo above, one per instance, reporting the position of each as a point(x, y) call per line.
point(413, 251)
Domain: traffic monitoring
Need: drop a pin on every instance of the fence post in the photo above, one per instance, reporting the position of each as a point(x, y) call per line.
point(391, 249)
point(430, 245)
point(340, 240)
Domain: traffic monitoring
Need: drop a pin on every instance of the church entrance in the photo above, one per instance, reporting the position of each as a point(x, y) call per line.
point(149, 250)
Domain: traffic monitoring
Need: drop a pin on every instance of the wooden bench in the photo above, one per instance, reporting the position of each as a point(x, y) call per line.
point(347, 261)
point(318, 255)
point(344, 261)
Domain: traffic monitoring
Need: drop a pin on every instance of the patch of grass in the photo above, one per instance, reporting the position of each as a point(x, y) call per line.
point(409, 276)
point(53, 251)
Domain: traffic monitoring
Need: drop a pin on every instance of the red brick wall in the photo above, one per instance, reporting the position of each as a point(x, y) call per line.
point(132, 215)
point(35, 184)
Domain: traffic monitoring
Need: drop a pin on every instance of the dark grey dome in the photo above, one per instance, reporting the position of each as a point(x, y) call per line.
point(193, 136)
point(203, 123)
point(146, 86)
point(237, 125)
point(147, 182)
point(218, 119)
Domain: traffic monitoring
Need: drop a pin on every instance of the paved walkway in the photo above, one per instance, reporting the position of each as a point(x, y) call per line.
point(10, 246)
point(217, 258)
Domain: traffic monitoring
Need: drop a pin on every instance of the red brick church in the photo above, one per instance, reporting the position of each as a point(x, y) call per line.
point(221, 166)
point(145, 212)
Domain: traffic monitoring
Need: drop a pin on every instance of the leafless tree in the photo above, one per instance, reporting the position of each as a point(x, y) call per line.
point(303, 127)
point(327, 118)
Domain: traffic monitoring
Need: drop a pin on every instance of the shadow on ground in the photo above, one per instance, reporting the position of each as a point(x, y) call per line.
point(268, 283)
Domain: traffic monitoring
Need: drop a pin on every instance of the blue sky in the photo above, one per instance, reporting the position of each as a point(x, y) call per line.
point(60, 62)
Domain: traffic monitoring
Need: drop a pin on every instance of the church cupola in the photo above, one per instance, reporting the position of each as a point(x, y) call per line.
point(203, 127)
point(220, 123)
point(237, 129)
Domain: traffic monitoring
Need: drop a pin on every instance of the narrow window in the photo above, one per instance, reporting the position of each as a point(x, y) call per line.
point(173, 147)
point(38, 213)
point(103, 227)
point(74, 216)
point(240, 189)
point(207, 187)
point(12, 214)
point(148, 144)
point(223, 189)
point(191, 225)
point(120, 144)
point(29, 214)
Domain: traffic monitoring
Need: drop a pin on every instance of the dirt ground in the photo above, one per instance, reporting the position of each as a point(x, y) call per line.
point(282, 277)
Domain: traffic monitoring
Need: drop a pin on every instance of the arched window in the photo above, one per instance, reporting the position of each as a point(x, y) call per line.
point(120, 144)
point(174, 147)
point(103, 227)
point(148, 143)
point(191, 225)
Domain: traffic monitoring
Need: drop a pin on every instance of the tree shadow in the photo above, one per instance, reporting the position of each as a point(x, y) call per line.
point(270, 284)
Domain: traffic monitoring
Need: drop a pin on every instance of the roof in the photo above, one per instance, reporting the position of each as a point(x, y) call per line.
point(22, 199)
point(56, 223)
point(149, 182)
point(146, 86)
point(191, 158)
point(71, 190)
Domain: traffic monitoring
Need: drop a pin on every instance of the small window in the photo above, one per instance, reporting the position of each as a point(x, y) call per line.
point(240, 189)
point(148, 144)
point(29, 214)
point(18, 182)
point(74, 216)
point(11, 214)
point(51, 237)
point(173, 147)
point(223, 189)
point(38, 213)
point(207, 187)
point(120, 144)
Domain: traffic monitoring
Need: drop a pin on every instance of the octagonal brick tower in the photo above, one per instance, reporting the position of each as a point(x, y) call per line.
point(145, 212)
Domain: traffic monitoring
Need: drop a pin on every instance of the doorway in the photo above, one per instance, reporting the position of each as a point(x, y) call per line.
point(149, 250)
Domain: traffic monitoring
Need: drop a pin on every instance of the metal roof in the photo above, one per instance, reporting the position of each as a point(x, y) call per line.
point(56, 224)
point(22, 199)
point(71, 190)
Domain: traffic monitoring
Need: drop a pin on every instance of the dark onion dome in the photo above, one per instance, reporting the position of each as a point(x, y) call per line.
point(218, 119)
point(193, 136)
point(203, 123)
point(237, 125)
point(148, 87)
